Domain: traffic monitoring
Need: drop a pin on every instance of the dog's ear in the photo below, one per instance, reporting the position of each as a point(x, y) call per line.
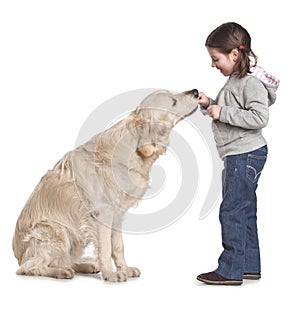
point(153, 133)
point(147, 150)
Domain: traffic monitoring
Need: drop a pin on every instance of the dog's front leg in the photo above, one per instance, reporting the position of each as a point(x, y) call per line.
point(118, 254)
point(105, 252)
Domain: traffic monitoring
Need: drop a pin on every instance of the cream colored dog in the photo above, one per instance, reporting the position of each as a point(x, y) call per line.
point(82, 200)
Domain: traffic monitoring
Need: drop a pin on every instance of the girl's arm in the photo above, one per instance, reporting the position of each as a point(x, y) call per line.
point(204, 102)
point(255, 111)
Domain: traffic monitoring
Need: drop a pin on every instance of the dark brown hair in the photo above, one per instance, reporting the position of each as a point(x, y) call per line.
point(229, 36)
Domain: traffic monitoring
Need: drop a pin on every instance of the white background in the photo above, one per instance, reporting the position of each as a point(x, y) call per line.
point(59, 61)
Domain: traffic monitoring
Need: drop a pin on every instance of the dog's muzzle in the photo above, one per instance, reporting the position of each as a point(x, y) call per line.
point(192, 93)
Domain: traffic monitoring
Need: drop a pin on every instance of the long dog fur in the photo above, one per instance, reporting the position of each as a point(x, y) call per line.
point(83, 199)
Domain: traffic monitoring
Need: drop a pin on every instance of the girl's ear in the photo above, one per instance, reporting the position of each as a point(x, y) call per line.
point(234, 55)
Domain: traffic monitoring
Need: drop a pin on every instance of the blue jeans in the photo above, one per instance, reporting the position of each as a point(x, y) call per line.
point(238, 214)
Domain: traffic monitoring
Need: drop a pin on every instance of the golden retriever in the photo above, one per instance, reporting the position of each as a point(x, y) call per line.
point(83, 199)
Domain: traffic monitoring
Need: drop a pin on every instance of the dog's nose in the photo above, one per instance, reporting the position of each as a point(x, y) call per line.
point(194, 93)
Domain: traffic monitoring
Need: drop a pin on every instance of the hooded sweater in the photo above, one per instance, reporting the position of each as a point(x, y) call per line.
point(244, 112)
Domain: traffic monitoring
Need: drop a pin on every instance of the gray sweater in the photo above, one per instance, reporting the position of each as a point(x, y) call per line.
point(245, 111)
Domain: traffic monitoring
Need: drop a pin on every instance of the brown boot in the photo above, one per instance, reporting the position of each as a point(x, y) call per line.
point(212, 278)
point(252, 276)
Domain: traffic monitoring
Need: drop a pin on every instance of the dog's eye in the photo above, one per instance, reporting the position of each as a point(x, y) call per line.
point(174, 102)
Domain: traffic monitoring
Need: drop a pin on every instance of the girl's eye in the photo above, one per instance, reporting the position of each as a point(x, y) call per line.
point(215, 60)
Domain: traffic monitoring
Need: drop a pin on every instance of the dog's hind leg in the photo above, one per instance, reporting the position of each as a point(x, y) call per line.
point(47, 253)
point(86, 267)
point(30, 268)
point(86, 263)
point(84, 254)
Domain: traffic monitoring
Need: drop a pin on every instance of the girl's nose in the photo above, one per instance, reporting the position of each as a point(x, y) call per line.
point(213, 65)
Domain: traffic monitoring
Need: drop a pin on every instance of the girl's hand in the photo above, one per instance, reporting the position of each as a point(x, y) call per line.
point(214, 111)
point(203, 100)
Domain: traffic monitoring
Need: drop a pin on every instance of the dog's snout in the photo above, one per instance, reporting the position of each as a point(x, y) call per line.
point(194, 93)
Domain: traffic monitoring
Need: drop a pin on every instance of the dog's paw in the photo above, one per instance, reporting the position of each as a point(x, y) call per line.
point(133, 272)
point(64, 273)
point(87, 268)
point(68, 273)
point(115, 276)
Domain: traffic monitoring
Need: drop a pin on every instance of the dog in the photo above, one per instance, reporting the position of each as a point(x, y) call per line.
point(83, 199)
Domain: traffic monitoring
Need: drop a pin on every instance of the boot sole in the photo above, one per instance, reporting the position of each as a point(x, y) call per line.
point(221, 282)
point(252, 276)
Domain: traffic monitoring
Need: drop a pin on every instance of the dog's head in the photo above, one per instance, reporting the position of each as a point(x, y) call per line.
point(168, 107)
point(161, 111)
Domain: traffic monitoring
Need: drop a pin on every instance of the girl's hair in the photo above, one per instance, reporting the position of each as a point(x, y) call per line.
point(229, 36)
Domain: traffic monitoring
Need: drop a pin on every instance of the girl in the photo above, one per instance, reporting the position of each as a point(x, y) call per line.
point(239, 113)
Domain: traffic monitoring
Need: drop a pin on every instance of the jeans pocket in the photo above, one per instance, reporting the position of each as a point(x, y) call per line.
point(255, 165)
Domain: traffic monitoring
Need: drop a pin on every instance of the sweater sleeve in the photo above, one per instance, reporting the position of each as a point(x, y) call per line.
point(253, 112)
point(204, 109)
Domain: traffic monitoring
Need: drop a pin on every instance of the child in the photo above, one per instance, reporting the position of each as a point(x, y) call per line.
point(239, 113)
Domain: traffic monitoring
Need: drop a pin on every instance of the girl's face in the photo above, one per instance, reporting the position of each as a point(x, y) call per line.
point(224, 62)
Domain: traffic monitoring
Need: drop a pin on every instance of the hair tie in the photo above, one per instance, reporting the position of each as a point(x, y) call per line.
point(241, 47)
